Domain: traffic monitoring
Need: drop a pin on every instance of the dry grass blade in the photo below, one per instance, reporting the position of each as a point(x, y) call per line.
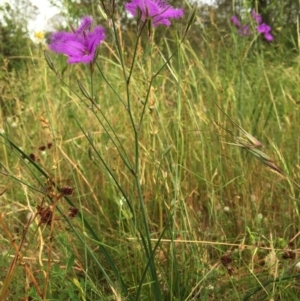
point(17, 257)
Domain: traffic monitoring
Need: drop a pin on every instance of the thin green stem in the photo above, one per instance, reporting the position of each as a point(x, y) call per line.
point(134, 53)
point(154, 76)
point(119, 145)
point(108, 83)
point(104, 164)
point(147, 243)
point(92, 85)
point(119, 49)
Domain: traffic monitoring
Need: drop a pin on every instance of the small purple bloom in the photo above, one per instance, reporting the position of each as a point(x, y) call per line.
point(80, 46)
point(244, 31)
point(268, 37)
point(265, 30)
point(235, 21)
point(256, 17)
point(157, 10)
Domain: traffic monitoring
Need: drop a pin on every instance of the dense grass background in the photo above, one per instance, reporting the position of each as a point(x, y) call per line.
point(222, 213)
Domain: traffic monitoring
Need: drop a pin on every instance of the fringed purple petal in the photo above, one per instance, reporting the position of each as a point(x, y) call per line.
point(268, 37)
point(80, 47)
point(256, 17)
point(95, 38)
point(235, 21)
point(85, 25)
point(157, 10)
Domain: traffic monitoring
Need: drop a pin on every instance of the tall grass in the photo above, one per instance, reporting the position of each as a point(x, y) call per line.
point(181, 204)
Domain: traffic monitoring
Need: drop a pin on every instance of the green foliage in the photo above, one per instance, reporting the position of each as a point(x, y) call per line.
point(14, 41)
point(218, 171)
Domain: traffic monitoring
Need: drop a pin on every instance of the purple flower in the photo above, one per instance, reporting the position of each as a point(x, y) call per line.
point(256, 17)
point(244, 31)
point(235, 21)
point(265, 30)
point(262, 27)
point(80, 46)
point(157, 10)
